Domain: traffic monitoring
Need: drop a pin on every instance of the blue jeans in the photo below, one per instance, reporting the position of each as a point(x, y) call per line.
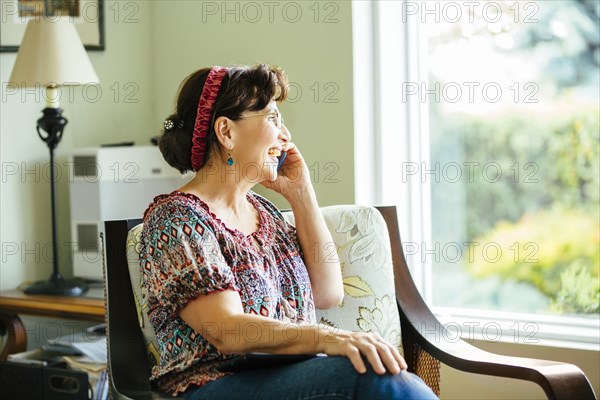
point(314, 379)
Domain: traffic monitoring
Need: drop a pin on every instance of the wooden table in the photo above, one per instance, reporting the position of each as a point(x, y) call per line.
point(14, 302)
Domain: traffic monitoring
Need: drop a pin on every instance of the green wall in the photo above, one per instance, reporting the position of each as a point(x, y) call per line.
point(150, 47)
point(311, 41)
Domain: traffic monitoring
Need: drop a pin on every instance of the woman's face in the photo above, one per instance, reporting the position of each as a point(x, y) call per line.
point(259, 142)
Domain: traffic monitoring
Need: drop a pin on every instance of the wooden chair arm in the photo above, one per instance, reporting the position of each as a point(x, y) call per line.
point(558, 380)
point(16, 335)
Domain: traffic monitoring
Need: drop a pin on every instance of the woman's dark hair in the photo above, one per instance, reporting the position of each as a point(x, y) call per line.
point(242, 89)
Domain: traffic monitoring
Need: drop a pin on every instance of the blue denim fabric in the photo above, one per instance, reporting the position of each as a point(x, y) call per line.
point(314, 379)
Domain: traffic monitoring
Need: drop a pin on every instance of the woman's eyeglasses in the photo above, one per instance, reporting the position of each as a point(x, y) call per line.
point(274, 116)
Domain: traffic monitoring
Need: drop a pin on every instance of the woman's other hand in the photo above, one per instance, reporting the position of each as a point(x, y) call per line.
point(382, 355)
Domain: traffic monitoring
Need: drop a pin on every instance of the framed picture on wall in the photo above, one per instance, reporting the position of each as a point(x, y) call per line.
point(87, 15)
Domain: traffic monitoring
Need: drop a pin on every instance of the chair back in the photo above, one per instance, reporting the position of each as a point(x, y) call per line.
point(128, 366)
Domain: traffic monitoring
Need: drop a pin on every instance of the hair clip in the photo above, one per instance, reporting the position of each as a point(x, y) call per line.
point(169, 124)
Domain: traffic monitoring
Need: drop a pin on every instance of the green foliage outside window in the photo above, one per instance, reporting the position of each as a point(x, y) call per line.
point(543, 208)
point(545, 214)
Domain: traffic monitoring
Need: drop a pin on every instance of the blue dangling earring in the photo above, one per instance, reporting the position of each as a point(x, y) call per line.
point(230, 159)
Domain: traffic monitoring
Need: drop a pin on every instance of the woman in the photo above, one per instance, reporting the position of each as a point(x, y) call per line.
point(225, 275)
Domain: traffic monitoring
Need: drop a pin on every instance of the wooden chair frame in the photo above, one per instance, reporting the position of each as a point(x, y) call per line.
point(129, 369)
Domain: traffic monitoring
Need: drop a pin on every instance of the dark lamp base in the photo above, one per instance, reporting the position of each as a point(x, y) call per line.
point(61, 287)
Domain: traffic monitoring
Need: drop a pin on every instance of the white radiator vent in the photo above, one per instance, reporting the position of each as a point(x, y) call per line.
point(87, 237)
point(112, 183)
point(85, 167)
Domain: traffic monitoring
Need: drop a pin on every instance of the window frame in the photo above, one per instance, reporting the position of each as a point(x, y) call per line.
point(390, 130)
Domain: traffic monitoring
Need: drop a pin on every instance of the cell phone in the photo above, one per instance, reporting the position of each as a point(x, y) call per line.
point(281, 160)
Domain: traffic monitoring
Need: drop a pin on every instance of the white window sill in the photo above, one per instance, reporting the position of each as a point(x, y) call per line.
point(529, 329)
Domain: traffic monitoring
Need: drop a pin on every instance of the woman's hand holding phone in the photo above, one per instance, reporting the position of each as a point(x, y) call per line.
point(292, 172)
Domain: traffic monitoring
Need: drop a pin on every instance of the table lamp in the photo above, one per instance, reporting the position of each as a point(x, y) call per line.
point(52, 55)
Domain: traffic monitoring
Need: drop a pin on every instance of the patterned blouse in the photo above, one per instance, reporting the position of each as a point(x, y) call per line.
point(187, 251)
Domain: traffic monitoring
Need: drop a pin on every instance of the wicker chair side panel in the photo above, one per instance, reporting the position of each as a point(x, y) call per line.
point(427, 368)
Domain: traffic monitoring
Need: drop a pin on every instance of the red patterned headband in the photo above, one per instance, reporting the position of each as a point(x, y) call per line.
point(206, 105)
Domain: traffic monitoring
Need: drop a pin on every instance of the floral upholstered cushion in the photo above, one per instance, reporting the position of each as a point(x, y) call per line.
point(361, 241)
point(133, 262)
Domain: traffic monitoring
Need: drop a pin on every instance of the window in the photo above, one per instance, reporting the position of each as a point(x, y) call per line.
point(486, 121)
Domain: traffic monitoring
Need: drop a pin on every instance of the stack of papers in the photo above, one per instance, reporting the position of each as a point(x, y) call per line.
point(97, 374)
point(95, 350)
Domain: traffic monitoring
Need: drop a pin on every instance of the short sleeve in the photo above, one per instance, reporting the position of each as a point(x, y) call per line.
point(182, 260)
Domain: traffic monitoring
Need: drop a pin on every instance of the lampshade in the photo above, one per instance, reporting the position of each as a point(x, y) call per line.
point(51, 54)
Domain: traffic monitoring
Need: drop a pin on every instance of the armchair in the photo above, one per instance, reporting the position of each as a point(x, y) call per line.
point(367, 241)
